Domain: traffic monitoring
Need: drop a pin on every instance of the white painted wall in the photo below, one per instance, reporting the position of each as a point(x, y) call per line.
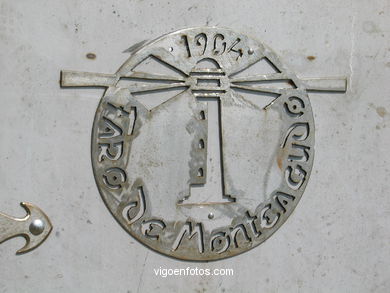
point(337, 239)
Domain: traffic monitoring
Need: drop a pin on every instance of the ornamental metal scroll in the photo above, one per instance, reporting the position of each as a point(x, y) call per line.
point(203, 142)
point(35, 227)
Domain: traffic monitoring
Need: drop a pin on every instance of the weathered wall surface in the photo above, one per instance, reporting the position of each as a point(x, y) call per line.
point(337, 239)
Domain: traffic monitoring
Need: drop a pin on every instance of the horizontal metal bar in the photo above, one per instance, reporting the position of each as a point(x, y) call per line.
point(205, 71)
point(149, 76)
point(261, 77)
point(260, 89)
point(154, 87)
point(76, 78)
point(329, 84)
point(207, 94)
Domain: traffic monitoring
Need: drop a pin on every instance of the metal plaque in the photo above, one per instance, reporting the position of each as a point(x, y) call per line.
point(203, 142)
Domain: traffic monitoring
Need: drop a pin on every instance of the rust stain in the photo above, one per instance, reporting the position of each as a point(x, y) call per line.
point(311, 58)
point(290, 82)
point(381, 111)
point(279, 161)
point(282, 153)
point(91, 56)
point(279, 158)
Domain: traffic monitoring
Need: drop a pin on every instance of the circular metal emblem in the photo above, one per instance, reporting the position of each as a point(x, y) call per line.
point(202, 144)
